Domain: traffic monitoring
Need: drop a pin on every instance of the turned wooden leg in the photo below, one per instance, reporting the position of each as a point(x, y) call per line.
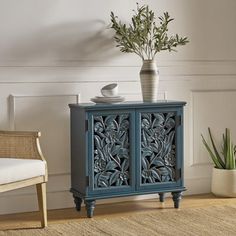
point(176, 196)
point(90, 205)
point(41, 192)
point(162, 197)
point(78, 202)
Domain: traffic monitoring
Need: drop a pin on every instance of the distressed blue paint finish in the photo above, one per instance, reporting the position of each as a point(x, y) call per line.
point(158, 147)
point(78, 201)
point(162, 197)
point(127, 105)
point(173, 181)
point(90, 206)
point(126, 118)
point(111, 150)
point(176, 196)
point(116, 148)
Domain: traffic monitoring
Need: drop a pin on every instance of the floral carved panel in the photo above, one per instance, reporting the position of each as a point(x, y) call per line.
point(158, 154)
point(111, 151)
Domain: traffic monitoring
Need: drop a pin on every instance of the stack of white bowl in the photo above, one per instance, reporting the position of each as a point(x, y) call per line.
point(110, 95)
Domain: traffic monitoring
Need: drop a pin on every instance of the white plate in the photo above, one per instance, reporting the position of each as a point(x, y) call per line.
point(107, 100)
point(113, 97)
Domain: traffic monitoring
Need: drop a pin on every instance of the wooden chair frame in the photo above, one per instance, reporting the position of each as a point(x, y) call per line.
point(25, 145)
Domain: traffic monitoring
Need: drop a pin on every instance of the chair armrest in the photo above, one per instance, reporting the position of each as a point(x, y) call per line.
point(20, 144)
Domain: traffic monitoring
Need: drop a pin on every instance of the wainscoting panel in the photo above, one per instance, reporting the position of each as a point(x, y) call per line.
point(49, 114)
point(51, 51)
point(214, 109)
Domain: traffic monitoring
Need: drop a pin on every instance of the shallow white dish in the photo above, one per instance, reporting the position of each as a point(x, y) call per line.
point(113, 97)
point(116, 99)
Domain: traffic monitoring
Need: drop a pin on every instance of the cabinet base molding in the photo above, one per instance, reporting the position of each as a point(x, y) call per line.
point(90, 203)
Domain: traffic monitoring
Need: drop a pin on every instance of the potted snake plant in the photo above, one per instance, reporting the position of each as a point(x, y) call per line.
point(224, 172)
point(146, 37)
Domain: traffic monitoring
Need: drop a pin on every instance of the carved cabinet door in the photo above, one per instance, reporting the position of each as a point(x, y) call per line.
point(159, 136)
point(111, 156)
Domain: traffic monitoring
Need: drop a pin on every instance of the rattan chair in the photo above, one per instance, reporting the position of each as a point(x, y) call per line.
point(22, 164)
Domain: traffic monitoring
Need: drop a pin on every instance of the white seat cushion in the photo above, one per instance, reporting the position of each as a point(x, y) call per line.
point(12, 170)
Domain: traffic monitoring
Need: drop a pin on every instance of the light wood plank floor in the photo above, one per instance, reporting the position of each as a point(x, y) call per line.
point(31, 219)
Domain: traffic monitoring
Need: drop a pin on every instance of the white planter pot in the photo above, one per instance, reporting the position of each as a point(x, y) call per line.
point(149, 78)
point(223, 182)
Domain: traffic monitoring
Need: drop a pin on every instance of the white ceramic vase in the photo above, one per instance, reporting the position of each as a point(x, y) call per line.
point(223, 182)
point(149, 77)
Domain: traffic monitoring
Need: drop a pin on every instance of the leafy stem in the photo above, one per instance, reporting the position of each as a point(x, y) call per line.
point(143, 36)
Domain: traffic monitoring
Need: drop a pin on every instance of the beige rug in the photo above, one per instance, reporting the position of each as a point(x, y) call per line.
point(219, 220)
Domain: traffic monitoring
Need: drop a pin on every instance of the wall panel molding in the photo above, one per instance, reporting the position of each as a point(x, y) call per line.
point(194, 159)
point(70, 73)
point(13, 97)
point(44, 113)
point(124, 62)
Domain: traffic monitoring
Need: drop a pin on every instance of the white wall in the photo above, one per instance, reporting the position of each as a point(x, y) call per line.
point(50, 51)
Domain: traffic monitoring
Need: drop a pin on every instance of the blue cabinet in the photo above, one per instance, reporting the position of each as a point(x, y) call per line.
point(126, 149)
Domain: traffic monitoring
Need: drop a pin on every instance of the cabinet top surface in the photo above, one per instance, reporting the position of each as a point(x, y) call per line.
point(128, 104)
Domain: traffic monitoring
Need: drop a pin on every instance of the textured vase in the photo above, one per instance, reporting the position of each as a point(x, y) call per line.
point(149, 77)
point(223, 182)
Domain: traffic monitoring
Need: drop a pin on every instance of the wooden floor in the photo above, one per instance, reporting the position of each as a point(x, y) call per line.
point(31, 220)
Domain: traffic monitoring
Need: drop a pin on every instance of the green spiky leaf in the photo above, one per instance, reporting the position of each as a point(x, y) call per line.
point(215, 149)
point(228, 151)
point(213, 157)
